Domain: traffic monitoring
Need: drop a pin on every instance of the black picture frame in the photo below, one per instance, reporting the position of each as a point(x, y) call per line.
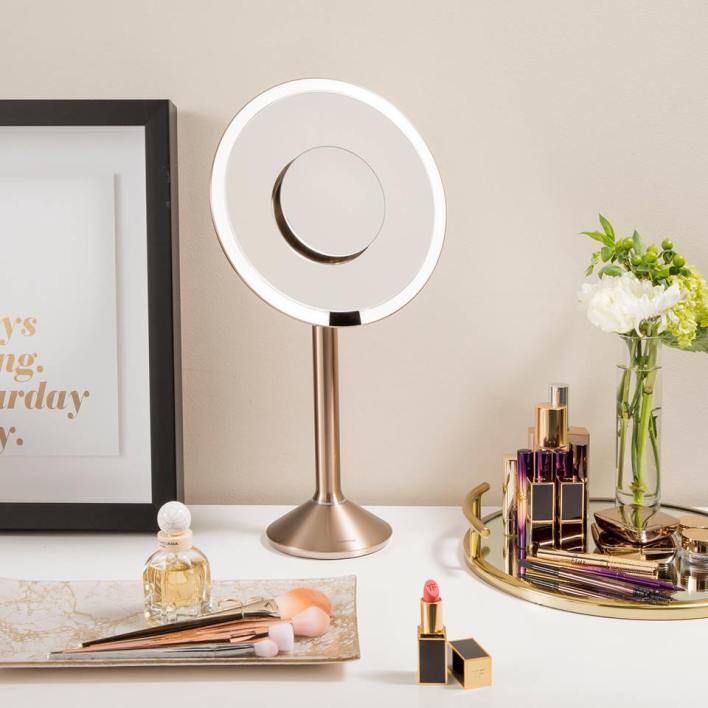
point(159, 119)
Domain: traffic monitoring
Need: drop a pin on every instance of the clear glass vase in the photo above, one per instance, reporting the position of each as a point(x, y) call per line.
point(639, 422)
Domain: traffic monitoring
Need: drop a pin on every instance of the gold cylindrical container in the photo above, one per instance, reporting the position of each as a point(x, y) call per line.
point(509, 495)
point(551, 426)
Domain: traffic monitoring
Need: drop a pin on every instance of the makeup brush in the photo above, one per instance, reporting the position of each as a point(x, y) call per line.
point(281, 634)
point(264, 648)
point(312, 622)
point(283, 607)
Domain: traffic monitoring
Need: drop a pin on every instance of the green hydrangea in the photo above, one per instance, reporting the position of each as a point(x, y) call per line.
point(691, 314)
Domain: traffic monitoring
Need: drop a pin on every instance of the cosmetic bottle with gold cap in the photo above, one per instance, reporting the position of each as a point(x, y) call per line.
point(176, 577)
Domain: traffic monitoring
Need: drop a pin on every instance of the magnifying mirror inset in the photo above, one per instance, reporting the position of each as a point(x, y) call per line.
point(329, 205)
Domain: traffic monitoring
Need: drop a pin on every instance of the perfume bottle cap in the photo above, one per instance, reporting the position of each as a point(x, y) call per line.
point(174, 520)
point(551, 426)
point(558, 394)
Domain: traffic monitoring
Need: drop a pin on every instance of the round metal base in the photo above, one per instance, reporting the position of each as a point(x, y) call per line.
point(329, 531)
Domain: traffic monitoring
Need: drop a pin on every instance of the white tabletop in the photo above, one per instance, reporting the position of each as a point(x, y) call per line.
point(541, 657)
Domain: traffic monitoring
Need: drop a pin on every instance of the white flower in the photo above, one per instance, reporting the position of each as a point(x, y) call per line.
point(620, 304)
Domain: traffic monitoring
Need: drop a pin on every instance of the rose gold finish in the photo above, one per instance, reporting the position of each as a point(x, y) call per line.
point(325, 363)
point(328, 526)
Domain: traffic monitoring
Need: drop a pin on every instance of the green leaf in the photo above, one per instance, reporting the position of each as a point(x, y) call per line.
point(612, 270)
point(638, 244)
point(699, 344)
point(599, 236)
point(607, 227)
point(606, 253)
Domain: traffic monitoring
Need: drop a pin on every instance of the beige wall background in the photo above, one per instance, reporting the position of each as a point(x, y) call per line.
point(539, 114)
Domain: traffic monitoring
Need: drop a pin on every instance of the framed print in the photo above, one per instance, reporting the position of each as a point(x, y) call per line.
point(90, 404)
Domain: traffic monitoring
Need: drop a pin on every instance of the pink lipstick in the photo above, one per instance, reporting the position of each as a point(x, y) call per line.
point(432, 637)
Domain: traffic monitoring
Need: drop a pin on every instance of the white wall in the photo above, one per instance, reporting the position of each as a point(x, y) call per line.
point(539, 114)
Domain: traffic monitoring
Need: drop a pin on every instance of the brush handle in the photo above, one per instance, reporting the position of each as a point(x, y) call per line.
point(212, 650)
point(260, 609)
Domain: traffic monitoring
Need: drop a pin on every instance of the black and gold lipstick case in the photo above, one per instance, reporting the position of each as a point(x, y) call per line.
point(470, 664)
point(541, 531)
point(571, 513)
point(432, 644)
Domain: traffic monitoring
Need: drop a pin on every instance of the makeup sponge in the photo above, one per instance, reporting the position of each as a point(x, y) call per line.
point(299, 599)
point(283, 635)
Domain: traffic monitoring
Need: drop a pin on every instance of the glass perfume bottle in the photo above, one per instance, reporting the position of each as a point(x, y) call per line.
point(176, 578)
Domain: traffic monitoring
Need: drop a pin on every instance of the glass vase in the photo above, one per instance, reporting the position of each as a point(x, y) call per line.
point(638, 451)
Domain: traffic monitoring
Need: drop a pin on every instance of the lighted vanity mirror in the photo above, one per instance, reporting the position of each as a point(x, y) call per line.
point(329, 205)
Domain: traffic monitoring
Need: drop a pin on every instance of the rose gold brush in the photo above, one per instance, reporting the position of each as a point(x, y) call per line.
point(278, 638)
point(268, 611)
point(312, 622)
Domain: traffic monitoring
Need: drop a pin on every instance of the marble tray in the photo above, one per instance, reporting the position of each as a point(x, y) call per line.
point(37, 617)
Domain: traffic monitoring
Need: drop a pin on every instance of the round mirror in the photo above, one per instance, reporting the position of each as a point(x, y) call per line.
point(327, 202)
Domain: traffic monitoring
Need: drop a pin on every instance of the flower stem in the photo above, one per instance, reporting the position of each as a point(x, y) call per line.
point(646, 378)
point(623, 415)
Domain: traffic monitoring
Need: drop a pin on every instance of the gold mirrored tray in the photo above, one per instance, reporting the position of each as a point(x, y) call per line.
point(485, 551)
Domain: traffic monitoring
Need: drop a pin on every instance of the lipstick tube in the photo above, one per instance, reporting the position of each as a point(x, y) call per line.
point(572, 504)
point(524, 471)
point(542, 502)
point(432, 638)
point(509, 495)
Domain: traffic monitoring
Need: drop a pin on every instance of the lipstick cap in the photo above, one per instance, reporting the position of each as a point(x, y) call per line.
point(543, 471)
point(580, 460)
point(551, 426)
point(470, 664)
point(563, 465)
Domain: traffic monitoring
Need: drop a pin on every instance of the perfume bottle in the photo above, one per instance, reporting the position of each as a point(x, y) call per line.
point(577, 438)
point(176, 578)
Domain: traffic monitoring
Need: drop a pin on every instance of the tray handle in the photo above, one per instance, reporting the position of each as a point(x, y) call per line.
point(472, 509)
